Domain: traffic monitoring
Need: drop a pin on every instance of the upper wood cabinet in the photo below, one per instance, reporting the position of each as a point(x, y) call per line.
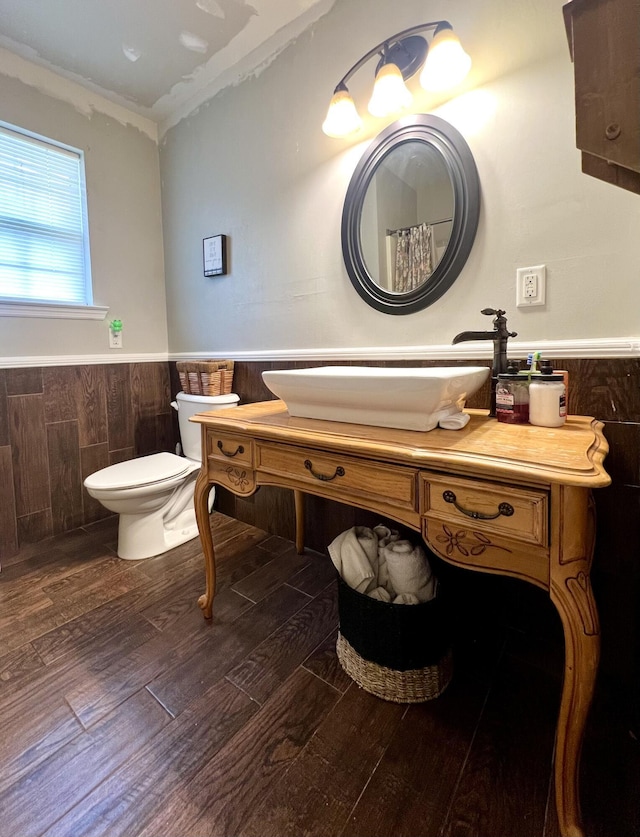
point(604, 40)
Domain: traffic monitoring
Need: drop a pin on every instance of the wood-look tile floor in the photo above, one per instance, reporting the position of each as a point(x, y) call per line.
point(122, 712)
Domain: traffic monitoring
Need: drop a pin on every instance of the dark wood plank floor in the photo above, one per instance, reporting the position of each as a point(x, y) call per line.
point(122, 712)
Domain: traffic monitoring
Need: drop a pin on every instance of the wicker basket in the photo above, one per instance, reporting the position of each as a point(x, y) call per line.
point(400, 652)
point(206, 377)
point(413, 686)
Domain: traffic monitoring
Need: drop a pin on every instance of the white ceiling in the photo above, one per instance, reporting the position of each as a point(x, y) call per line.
point(152, 56)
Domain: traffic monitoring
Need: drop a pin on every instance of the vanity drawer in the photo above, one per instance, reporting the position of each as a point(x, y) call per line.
point(229, 448)
point(518, 513)
point(341, 475)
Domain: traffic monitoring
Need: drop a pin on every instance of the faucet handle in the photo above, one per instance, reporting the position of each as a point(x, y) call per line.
point(491, 311)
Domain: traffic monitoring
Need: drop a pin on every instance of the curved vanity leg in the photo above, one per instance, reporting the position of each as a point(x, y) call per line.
point(298, 497)
point(201, 502)
point(573, 598)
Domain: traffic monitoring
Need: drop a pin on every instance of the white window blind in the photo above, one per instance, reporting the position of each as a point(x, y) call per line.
point(44, 252)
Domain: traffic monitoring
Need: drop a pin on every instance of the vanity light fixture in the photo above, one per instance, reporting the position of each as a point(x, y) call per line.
point(444, 64)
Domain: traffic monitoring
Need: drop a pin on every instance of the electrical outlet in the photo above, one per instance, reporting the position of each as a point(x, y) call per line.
point(115, 339)
point(531, 286)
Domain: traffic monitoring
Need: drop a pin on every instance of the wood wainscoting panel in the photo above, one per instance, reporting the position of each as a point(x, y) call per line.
point(8, 526)
point(247, 379)
point(623, 459)
point(34, 527)
point(119, 418)
point(165, 433)
point(65, 475)
point(150, 398)
point(607, 388)
point(29, 453)
point(4, 420)
point(24, 381)
point(93, 458)
point(121, 455)
point(77, 392)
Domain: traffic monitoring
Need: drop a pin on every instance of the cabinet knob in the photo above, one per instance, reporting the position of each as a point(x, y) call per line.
point(613, 131)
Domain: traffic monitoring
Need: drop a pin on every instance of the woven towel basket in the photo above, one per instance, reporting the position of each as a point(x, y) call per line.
point(206, 377)
point(397, 652)
point(413, 686)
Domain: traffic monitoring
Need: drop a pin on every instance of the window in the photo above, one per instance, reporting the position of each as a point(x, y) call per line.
point(44, 245)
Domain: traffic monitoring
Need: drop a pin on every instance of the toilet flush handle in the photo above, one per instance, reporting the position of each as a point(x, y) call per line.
point(174, 404)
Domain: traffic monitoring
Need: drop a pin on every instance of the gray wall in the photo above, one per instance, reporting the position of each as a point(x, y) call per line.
point(125, 221)
point(253, 163)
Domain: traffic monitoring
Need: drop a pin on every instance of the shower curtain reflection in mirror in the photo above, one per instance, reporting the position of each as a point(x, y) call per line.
point(413, 260)
point(406, 218)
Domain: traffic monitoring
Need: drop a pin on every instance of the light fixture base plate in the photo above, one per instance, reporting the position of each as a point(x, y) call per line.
point(407, 54)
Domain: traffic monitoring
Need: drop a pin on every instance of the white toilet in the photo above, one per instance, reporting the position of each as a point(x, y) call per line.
point(154, 494)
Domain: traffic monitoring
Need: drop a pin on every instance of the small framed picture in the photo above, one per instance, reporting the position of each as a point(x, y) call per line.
point(214, 254)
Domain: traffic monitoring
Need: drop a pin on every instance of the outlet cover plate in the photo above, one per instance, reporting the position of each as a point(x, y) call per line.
point(115, 339)
point(531, 286)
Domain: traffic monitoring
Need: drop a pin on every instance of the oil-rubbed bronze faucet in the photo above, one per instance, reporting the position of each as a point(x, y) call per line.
point(499, 335)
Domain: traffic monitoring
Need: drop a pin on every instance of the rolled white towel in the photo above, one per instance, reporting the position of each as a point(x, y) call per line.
point(355, 556)
point(385, 537)
point(409, 570)
point(381, 594)
point(406, 598)
point(456, 421)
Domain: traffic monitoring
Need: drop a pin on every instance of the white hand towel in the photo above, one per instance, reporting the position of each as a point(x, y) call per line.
point(355, 556)
point(384, 534)
point(385, 537)
point(455, 422)
point(409, 570)
point(406, 598)
point(381, 594)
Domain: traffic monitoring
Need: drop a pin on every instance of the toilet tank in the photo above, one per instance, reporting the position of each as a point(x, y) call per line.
point(188, 405)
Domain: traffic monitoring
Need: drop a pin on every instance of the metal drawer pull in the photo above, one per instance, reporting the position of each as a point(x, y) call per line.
point(238, 450)
point(505, 509)
point(339, 472)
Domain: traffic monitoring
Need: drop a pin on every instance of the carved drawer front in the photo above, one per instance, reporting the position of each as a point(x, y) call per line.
point(341, 475)
point(503, 510)
point(237, 477)
point(237, 450)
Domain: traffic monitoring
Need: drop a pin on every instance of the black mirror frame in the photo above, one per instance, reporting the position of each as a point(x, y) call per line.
point(466, 189)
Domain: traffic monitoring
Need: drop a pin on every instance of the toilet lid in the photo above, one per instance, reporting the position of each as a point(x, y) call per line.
point(142, 471)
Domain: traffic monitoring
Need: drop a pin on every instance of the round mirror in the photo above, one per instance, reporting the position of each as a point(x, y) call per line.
point(410, 214)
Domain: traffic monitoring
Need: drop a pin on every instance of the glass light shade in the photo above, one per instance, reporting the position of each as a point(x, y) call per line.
point(447, 63)
point(390, 93)
point(342, 116)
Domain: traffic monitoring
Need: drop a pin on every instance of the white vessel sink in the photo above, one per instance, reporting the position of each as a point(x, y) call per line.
point(405, 398)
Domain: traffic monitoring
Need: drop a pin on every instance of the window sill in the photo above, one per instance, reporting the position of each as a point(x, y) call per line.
point(52, 311)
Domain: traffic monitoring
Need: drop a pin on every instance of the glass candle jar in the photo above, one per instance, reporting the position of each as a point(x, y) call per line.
point(548, 401)
point(512, 398)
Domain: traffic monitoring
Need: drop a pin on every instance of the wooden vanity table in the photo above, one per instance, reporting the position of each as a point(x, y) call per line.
point(508, 499)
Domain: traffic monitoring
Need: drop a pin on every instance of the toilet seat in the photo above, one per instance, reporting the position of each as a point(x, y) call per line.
point(135, 473)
